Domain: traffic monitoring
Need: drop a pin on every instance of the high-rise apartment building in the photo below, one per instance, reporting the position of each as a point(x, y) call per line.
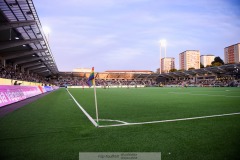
point(167, 64)
point(232, 54)
point(206, 59)
point(189, 59)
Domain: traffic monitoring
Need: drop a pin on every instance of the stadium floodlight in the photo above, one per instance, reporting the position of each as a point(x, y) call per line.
point(46, 31)
point(163, 43)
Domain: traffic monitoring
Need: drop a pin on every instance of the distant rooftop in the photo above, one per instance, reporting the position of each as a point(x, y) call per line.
point(233, 45)
point(129, 71)
point(207, 55)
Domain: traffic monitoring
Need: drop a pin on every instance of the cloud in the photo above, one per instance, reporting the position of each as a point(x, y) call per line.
point(68, 6)
point(123, 55)
point(124, 33)
point(105, 40)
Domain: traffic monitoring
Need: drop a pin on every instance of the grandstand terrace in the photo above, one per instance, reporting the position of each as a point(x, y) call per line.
point(194, 123)
point(23, 43)
point(26, 56)
point(116, 77)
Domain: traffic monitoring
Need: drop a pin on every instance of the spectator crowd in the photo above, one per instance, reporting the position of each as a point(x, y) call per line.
point(102, 82)
point(9, 72)
point(205, 83)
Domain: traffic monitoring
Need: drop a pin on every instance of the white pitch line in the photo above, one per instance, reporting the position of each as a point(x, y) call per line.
point(204, 94)
point(171, 120)
point(111, 120)
point(88, 116)
point(213, 95)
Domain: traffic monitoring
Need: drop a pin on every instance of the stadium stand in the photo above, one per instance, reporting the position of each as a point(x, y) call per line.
point(23, 45)
point(25, 55)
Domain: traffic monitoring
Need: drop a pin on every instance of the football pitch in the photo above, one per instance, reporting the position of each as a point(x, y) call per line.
point(181, 123)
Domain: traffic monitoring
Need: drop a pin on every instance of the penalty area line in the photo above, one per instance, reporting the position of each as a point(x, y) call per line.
point(88, 116)
point(171, 120)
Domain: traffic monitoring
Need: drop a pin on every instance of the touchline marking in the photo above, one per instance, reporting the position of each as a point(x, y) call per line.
point(171, 120)
point(88, 116)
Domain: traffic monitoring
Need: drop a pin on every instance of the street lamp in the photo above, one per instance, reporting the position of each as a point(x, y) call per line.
point(163, 43)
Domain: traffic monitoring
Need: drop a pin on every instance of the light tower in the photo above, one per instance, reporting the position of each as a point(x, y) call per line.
point(163, 43)
point(46, 31)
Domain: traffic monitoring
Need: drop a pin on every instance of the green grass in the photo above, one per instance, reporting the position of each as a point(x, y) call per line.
point(149, 104)
point(53, 127)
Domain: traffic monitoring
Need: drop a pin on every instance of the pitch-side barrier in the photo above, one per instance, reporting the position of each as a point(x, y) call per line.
point(11, 94)
point(120, 86)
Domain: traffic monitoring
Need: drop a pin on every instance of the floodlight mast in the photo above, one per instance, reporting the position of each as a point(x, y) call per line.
point(162, 43)
point(160, 58)
point(46, 31)
point(165, 45)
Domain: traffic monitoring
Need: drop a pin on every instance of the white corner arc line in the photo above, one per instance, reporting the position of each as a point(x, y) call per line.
point(171, 120)
point(88, 116)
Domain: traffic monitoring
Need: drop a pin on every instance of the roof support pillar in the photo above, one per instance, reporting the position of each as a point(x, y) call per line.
point(3, 62)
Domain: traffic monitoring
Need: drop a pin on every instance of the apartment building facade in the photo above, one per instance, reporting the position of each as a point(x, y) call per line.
point(189, 59)
point(206, 59)
point(232, 54)
point(167, 64)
